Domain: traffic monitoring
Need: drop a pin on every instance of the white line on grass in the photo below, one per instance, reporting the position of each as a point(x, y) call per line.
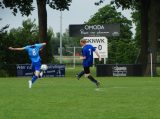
point(119, 87)
point(99, 89)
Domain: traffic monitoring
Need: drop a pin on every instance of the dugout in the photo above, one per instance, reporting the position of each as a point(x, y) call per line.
point(118, 70)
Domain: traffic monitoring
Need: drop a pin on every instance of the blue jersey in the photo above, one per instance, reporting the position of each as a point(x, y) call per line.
point(33, 52)
point(87, 51)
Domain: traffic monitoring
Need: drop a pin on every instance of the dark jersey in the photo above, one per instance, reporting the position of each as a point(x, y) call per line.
point(87, 51)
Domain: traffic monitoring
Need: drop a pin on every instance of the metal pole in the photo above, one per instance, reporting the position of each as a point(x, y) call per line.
point(93, 62)
point(104, 60)
point(60, 37)
point(151, 64)
point(74, 54)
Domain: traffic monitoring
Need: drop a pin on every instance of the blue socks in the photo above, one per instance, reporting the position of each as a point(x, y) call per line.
point(34, 78)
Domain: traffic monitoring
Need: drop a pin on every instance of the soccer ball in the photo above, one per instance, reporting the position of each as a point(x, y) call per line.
point(44, 67)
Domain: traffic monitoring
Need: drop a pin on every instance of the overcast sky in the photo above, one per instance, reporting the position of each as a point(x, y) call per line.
point(79, 12)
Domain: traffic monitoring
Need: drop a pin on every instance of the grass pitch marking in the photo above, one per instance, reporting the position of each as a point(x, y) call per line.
point(99, 89)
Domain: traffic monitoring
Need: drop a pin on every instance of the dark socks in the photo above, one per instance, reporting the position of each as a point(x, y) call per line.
point(92, 79)
point(80, 74)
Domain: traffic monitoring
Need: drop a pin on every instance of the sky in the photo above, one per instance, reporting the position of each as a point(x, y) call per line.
point(79, 12)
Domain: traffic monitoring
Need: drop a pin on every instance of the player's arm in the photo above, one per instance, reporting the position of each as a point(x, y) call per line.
point(43, 44)
point(16, 49)
point(96, 51)
point(83, 57)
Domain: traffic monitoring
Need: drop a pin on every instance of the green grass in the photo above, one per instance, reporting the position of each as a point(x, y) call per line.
point(68, 98)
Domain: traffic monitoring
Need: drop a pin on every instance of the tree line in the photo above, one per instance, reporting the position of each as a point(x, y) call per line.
point(119, 48)
point(145, 15)
point(146, 18)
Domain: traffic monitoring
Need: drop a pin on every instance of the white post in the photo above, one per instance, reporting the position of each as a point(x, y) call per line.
point(151, 64)
point(104, 60)
point(93, 62)
point(60, 37)
point(74, 54)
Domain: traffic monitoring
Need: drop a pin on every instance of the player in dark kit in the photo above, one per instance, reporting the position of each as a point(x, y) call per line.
point(87, 57)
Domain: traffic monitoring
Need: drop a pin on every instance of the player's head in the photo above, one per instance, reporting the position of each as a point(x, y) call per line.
point(31, 42)
point(83, 42)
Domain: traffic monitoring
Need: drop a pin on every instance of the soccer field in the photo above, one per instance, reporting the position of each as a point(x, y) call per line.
point(68, 98)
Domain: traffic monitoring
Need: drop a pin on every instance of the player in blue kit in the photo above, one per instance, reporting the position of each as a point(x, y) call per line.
point(33, 53)
point(87, 57)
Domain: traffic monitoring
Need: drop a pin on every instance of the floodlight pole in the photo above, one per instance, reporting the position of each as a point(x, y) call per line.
point(151, 64)
point(74, 54)
point(60, 37)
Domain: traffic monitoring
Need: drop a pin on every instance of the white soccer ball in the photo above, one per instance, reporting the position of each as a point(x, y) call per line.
point(44, 67)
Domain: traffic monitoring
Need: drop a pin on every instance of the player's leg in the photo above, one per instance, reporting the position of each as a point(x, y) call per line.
point(35, 77)
point(90, 77)
point(36, 67)
point(79, 75)
point(41, 73)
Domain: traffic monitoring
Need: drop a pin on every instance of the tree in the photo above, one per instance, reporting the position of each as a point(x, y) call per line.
point(20, 37)
point(153, 32)
point(3, 35)
point(149, 17)
point(25, 7)
point(122, 49)
point(149, 32)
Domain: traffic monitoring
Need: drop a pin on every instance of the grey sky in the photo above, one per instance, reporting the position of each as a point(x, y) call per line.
point(79, 12)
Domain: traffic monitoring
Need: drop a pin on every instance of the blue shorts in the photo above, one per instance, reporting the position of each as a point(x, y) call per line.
point(36, 66)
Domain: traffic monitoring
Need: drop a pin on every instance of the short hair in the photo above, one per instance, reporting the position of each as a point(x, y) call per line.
point(83, 40)
point(31, 42)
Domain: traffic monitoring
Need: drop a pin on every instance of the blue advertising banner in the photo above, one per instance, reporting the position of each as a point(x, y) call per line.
point(54, 70)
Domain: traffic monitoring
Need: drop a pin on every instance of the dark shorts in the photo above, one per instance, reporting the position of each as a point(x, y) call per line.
point(86, 70)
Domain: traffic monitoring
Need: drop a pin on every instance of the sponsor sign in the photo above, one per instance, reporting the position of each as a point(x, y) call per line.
point(86, 30)
point(119, 70)
point(101, 44)
point(52, 71)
